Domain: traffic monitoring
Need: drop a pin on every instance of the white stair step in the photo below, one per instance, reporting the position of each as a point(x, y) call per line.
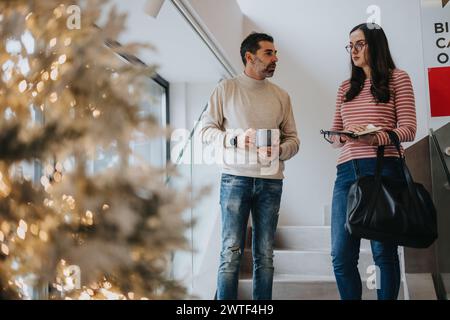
point(301, 287)
point(298, 262)
point(307, 238)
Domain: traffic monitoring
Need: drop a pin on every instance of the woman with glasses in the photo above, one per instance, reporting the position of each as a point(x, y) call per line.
point(377, 94)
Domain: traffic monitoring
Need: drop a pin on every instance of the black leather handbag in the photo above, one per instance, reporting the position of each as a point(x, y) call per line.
point(387, 209)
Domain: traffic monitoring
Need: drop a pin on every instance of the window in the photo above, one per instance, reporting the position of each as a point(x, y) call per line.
point(149, 151)
point(154, 151)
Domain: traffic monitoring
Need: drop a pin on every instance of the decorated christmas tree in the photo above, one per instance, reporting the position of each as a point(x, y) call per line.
point(64, 95)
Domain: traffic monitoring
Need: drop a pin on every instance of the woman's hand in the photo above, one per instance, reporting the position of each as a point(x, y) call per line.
point(356, 128)
point(369, 139)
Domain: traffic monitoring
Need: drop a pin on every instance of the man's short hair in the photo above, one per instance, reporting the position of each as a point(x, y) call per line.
point(251, 44)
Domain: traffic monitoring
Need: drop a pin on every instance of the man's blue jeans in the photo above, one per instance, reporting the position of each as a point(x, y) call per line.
point(345, 248)
point(238, 197)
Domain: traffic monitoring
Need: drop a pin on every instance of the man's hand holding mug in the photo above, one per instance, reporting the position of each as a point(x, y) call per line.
point(268, 144)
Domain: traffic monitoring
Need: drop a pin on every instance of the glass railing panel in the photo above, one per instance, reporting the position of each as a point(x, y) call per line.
point(192, 70)
point(440, 164)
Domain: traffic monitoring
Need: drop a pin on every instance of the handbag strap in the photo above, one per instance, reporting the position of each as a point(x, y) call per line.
point(380, 157)
point(396, 141)
point(379, 165)
point(409, 180)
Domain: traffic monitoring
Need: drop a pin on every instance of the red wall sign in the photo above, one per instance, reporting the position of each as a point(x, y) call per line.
point(439, 84)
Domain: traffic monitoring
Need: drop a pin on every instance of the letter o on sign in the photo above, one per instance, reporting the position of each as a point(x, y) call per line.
point(443, 58)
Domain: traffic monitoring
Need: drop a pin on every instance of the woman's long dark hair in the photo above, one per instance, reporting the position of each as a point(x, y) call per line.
point(380, 62)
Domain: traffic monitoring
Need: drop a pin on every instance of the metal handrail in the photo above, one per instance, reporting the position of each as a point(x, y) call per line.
point(186, 144)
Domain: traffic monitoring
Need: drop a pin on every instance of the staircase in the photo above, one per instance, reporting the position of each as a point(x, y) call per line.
point(303, 267)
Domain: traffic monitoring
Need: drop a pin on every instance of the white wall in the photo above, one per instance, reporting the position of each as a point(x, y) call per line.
point(310, 37)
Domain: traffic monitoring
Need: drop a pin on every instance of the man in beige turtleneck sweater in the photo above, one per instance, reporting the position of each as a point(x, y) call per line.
point(252, 177)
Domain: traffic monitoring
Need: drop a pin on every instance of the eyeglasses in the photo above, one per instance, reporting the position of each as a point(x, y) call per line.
point(327, 135)
point(358, 46)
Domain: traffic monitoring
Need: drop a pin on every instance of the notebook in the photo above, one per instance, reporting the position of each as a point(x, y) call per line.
point(369, 129)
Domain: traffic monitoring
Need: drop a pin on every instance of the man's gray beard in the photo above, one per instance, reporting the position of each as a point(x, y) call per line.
point(269, 74)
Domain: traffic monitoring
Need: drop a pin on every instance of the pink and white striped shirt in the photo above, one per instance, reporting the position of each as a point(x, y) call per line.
point(399, 115)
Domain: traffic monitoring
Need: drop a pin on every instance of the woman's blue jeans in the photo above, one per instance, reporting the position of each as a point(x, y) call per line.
point(345, 248)
point(238, 197)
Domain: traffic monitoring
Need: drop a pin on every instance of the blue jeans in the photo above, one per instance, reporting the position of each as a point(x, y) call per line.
point(345, 248)
point(238, 196)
